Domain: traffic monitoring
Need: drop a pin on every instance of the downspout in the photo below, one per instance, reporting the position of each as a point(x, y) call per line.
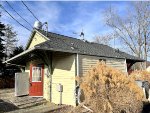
point(77, 64)
point(126, 66)
point(48, 61)
point(51, 72)
point(79, 91)
point(76, 74)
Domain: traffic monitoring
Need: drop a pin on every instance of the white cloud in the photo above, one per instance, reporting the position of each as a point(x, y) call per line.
point(86, 17)
point(45, 12)
point(91, 21)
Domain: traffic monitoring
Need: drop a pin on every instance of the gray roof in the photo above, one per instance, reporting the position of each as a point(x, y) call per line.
point(69, 44)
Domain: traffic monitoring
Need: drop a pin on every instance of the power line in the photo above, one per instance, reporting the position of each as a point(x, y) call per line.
point(30, 10)
point(14, 18)
point(18, 13)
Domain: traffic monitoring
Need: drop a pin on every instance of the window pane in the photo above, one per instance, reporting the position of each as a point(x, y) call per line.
point(102, 60)
point(36, 73)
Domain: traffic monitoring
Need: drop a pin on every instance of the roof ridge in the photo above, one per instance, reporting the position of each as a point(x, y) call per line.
point(86, 46)
point(58, 34)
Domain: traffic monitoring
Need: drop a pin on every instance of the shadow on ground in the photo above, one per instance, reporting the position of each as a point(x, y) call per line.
point(146, 107)
point(6, 106)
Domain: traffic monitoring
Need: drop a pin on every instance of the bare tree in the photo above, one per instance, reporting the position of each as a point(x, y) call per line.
point(133, 28)
point(104, 39)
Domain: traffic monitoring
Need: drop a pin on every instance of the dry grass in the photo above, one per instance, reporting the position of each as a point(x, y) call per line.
point(140, 75)
point(62, 110)
point(108, 90)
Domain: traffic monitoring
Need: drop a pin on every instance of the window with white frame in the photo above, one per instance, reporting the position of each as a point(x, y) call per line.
point(36, 74)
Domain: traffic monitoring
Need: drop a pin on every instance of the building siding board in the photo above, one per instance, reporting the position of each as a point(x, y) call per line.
point(37, 39)
point(46, 86)
point(86, 62)
point(64, 73)
point(46, 82)
point(117, 63)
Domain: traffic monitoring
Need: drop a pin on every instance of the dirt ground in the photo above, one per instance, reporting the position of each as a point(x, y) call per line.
point(7, 106)
point(62, 110)
point(26, 104)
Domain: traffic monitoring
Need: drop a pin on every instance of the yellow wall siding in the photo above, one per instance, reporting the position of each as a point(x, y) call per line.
point(46, 86)
point(27, 68)
point(64, 73)
point(37, 39)
point(86, 62)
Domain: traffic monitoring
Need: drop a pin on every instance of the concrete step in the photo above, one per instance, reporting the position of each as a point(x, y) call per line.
point(45, 108)
point(31, 104)
point(7, 105)
point(24, 104)
point(26, 101)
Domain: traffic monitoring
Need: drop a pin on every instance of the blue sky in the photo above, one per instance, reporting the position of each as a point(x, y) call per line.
point(63, 17)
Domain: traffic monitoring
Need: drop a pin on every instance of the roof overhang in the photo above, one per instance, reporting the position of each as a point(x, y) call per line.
point(20, 58)
point(31, 54)
point(136, 60)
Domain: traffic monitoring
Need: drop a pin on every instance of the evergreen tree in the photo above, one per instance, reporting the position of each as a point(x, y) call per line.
point(10, 40)
point(16, 51)
point(2, 28)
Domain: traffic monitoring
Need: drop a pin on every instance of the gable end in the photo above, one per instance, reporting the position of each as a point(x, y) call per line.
point(35, 38)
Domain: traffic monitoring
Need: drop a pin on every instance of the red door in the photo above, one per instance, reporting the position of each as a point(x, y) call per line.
point(36, 80)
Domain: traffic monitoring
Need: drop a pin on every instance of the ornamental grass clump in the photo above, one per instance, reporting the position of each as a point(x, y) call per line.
point(108, 90)
point(143, 75)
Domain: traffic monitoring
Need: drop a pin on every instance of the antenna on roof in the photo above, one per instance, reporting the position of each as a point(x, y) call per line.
point(82, 34)
point(46, 25)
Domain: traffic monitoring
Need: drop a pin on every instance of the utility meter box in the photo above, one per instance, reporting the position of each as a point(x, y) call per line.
point(60, 88)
